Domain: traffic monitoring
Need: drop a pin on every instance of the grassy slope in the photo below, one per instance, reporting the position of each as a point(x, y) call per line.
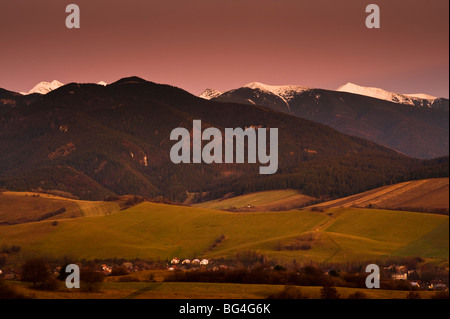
point(421, 195)
point(431, 245)
point(172, 290)
point(261, 201)
point(19, 207)
point(163, 231)
point(369, 232)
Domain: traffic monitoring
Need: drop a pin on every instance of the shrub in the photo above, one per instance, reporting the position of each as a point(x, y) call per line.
point(329, 292)
point(279, 268)
point(51, 284)
point(37, 272)
point(2, 261)
point(119, 271)
point(111, 199)
point(413, 295)
point(289, 292)
point(90, 280)
point(134, 201)
point(150, 278)
point(51, 214)
point(357, 295)
point(396, 285)
point(11, 250)
point(334, 273)
point(440, 295)
point(15, 249)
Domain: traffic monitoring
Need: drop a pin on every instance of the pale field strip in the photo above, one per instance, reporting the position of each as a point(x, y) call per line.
point(88, 208)
point(398, 194)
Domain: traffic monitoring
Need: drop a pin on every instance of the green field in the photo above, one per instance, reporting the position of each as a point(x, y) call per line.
point(261, 201)
point(172, 290)
point(155, 231)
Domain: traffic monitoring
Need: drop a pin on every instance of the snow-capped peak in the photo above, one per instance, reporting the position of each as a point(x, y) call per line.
point(102, 83)
point(277, 89)
point(286, 92)
point(209, 94)
point(44, 87)
point(409, 99)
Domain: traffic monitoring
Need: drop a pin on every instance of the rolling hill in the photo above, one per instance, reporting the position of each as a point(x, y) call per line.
point(95, 141)
point(430, 195)
point(275, 200)
point(155, 231)
point(26, 207)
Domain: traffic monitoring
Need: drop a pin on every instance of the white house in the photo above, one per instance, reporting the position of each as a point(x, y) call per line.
point(400, 276)
point(204, 262)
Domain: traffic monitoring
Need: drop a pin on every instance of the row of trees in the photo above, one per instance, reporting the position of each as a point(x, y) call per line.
point(37, 272)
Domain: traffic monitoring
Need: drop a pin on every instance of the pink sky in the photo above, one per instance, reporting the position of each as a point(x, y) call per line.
point(224, 44)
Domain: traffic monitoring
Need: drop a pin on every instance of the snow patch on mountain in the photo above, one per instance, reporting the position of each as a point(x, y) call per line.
point(408, 99)
point(285, 92)
point(422, 96)
point(210, 94)
point(44, 87)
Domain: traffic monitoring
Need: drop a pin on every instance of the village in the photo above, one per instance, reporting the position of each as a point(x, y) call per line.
point(411, 275)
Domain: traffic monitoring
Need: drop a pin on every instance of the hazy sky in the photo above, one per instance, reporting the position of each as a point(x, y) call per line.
point(224, 44)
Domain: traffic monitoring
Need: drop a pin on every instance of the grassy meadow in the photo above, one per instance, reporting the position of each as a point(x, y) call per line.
point(193, 290)
point(261, 201)
point(158, 231)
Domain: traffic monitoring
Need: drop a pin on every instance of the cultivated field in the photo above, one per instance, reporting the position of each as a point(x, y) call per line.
point(261, 201)
point(24, 207)
point(429, 195)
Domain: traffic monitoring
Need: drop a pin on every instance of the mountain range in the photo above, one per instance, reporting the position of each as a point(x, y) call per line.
point(416, 125)
point(416, 99)
point(46, 87)
point(95, 141)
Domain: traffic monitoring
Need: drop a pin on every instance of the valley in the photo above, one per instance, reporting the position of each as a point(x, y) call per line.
point(340, 233)
point(336, 202)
